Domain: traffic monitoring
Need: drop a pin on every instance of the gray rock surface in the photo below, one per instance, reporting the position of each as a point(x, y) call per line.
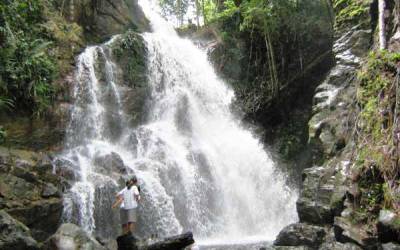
point(313, 205)
point(31, 193)
point(70, 236)
point(104, 18)
point(348, 232)
point(110, 163)
point(300, 234)
point(391, 246)
point(14, 235)
point(388, 226)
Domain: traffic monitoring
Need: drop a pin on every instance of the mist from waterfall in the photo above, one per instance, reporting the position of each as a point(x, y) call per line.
point(198, 168)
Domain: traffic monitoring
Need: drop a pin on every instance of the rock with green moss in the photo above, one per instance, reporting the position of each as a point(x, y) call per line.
point(30, 192)
point(130, 53)
point(15, 235)
point(347, 231)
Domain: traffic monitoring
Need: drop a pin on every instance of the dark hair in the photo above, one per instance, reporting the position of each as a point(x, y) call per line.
point(134, 179)
point(128, 184)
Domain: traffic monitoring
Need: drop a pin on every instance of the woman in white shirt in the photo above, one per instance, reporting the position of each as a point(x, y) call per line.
point(128, 199)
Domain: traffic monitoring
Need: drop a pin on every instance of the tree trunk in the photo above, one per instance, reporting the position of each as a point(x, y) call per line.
point(382, 24)
point(204, 11)
point(179, 11)
point(197, 13)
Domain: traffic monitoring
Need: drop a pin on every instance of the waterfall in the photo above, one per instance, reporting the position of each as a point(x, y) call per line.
point(198, 167)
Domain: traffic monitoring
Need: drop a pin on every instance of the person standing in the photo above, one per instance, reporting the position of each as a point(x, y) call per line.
point(128, 199)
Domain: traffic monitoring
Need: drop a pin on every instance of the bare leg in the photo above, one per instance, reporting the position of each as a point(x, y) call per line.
point(132, 227)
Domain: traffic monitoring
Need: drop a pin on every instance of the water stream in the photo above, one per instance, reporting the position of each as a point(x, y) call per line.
point(199, 168)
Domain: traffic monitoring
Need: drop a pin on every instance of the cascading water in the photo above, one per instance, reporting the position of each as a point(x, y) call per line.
point(199, 169)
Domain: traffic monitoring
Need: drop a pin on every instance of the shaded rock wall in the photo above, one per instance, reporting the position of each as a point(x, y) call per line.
point(14, 234)
point(104, 18)
point(329, 194)
point(30, 192)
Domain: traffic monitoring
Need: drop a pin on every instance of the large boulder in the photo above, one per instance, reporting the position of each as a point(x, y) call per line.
point(104, 18)
point(287, 248)
point(130, 53)
point(391, 246)
point(339, 246)
point(334, 97)
point(31, 193)
point(313, 205)
point(301, 234)
point(348, 232)
point(330, 243)
point(70, 236)
point(15, 235)
point(323, 193)
point(109, 164)
point(388, 226)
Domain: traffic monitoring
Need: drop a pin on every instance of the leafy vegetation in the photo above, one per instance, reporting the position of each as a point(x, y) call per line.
point(130, 52)
point(349, 12)
point(271, 42)
point(36, 46)
point(378, 133)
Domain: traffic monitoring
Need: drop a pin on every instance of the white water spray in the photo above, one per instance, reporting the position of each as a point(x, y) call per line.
point(199, 169)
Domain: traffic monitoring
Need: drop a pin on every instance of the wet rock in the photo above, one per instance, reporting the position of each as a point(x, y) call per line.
point(129, 242)
point(339, 246)
point(313, 205)
point(388, 226)
point(14, 188)
point(394, 43)
point(130, 53)
point(347, 232)
point(30, 192)
point(42, 216)
point(110, 163)
point(25, 173)
point(106, 219)
point(14, 235)
point(330, 243)
point(66, 169)
point(44, 165)
point(288, 248)
point(50, 191)
point(70, 236)
point(391, 246)
point(300, 234)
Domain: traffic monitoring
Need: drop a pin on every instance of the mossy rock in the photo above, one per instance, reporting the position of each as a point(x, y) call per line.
point(130, 53)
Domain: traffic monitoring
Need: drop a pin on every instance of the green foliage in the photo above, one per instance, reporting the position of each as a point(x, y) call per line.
point(350, 12)
point(130, 51)
point(35, 46)
point(270, 40)
point(376, 147)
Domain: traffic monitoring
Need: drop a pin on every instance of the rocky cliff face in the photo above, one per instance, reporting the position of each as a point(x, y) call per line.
point(30, 192)
point(32, 182)
point(330, 195)
point(104, 18)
